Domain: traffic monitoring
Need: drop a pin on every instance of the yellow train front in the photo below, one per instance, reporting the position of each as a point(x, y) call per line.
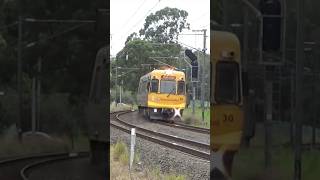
point(162, 94)
point(227, 116)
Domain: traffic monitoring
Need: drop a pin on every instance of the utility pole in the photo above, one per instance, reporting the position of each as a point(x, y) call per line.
point(268, 122)
point(19, 75)
point(292, 107)
point(38, 99)
point(33, 108)
point(202, 72)
point(299, 79)
point(202, 69)
point(121, 86)
point(116, 84)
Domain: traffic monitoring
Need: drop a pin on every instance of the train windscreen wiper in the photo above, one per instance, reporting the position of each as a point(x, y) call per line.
point(171, 92)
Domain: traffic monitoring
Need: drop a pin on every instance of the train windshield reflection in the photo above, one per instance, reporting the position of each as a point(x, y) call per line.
point(227, 83)
point(168, 86)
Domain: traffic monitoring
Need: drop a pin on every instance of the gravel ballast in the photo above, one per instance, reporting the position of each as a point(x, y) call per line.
point(168, 160)
point(137, 120)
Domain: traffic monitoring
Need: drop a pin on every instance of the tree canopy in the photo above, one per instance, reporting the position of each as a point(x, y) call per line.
point(164, 25)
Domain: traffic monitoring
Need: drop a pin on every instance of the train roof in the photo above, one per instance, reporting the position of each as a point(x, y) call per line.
point(159, 72)
point(223, 44)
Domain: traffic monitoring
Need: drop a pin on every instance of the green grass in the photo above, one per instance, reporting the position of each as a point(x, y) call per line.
point(119, 166)
point(196, 119)
point(249, 164)
point(33, 145)
point(120, 107)
point(119, 150)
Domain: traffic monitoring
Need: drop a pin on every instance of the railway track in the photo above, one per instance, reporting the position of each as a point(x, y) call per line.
point(200, 150)
point(178, 140)
point(186, 127)
point(21, 167)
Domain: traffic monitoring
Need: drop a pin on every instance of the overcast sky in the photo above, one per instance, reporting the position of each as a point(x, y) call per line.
point(127, 16)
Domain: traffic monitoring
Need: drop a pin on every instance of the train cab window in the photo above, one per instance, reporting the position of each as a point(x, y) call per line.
point(181, 88)
point(154, 85)
point(148, 86)
point(168, 86)
point(227, 86)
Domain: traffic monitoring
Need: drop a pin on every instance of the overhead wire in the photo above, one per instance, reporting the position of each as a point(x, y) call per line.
point(130, 17)
point(8, 25)
point(143, 17)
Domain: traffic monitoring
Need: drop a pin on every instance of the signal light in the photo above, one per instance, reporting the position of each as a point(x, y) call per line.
point(194, 63)
point(102, 23)
point(271, 25)
point(190, 55)
point(194, 69)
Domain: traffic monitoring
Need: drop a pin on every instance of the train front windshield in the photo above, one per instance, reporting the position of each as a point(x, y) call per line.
point(168, 86)
point(227, 89)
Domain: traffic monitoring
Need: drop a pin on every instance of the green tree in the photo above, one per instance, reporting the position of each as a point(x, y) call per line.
point(155, 39)
point(217, 11)
point(164, 25)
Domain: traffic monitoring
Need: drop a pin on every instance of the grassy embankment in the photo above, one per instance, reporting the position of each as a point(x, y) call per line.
point(10, 145)
point(119, 159)
point(249, 163)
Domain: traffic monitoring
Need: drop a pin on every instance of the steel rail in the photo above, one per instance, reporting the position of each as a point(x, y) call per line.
point(25, 171)
point(163, 135)
point(186, 127)
point(152, 136)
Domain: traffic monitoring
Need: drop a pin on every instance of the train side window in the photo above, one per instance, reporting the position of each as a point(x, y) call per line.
point(148, 86)
point(181, 88)
point(154, 85)
point(227, 85)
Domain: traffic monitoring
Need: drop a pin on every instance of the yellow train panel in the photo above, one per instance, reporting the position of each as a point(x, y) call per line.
point(226, 125)
point(163, 101)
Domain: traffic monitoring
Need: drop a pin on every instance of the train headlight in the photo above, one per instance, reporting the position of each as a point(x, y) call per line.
point(169, 71)
point(227, 55)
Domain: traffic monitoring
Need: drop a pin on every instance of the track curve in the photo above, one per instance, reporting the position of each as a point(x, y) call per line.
point(198, 149)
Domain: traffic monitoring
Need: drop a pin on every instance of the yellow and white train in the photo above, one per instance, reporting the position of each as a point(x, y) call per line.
point(162, 94)
point(227, 115)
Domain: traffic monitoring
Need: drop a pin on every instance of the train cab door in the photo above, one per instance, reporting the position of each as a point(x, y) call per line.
point(96, 112)
point(226, 103)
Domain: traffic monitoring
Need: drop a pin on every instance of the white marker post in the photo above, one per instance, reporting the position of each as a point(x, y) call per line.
point(133, 142)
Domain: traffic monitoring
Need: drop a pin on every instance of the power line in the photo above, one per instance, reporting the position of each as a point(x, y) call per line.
point(57, 20)
point(143, 17)
point(8, 25)
point(55, 35)
point(126, 23)
point(200, 16)
point(207, 25)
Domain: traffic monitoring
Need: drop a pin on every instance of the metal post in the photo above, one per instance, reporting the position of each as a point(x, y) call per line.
point(299, 79)
point(19, 78)
point(314, 116)
point(268, 122)
point(121, 86)
point(260, 17)
point(33, 108)
point(116, 84)
point(193, 97)
point(261, 40)
point(202, 72)
point(245, 39)
point(284, 29)
point(132, 145)
point(38, 97)
point(292, 128)
point(246, 109)
point(225, 18)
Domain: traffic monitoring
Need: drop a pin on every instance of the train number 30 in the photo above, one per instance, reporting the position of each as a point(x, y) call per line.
point(228, 118)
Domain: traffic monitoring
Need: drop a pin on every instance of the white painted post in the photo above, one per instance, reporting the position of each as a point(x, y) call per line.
point(133, 142)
